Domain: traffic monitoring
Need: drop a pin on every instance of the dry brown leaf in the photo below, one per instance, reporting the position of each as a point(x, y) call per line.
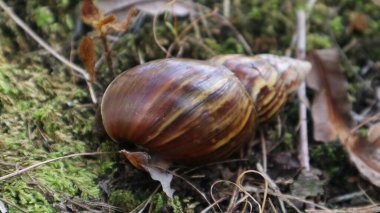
point(164, 177)
point(374, 133)
point(331, 114)
point(142, 160)
point(366, 156)
point(87, 54)
point(106, 21)
point(358, 21)
point(330, 108)
point(89, 12)
point(123, 26)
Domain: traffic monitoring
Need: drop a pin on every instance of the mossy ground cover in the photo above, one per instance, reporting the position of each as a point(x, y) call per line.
point(46, 112)
point(38, 110)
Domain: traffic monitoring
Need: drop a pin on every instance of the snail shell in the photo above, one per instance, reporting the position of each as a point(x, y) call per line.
point(269, 79)
point(185, 110)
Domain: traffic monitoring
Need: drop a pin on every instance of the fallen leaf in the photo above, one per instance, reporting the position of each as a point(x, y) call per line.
point(105, 21)
point(374, 133)
point(332, 118)
point(358, 21)
point(154, 166)
point(366, 157)
point(164, 177)
point(331, 107)
point(89, 12)
point(124, 25)
point(87, 54)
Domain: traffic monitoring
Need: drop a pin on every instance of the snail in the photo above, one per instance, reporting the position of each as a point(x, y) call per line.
point(192, 111)
point(269, 79)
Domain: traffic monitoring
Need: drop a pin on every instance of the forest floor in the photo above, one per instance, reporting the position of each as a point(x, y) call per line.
point(46, 110)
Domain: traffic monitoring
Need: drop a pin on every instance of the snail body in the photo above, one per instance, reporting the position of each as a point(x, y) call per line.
point(194, 111)
point(184, 110)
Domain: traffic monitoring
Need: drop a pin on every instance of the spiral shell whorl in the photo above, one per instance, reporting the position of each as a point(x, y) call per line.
point(184, 110)
point(268, 78)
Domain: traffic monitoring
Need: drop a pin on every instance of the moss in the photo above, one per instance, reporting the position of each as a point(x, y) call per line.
point(163, 203)
point(318, 41)
point(124, 199)
point(337, 26)
point(37, 124)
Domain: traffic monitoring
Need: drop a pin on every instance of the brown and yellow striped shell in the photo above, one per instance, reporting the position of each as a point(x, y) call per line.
point(269, 79)
point(185, 110)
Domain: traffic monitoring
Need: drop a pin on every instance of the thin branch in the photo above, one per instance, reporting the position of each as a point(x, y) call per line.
point(226, 8)
point(52, 160)
point(155, 35)
point(263, 149)
point(301, 53)
point(108, 52)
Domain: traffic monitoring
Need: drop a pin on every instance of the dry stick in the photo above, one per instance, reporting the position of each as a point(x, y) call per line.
point(365, 122)
point(108, 52)
point(155, 35)
point(47, 47)
point(226, 8)
point(272, 184)
point(309, 8)
point(208, 208)
point(263, 150)
point(301, 47)
point(235, 193)
point(52, 160)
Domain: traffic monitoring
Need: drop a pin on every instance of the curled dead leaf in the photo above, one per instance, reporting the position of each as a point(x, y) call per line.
point(332, 118)
point(331, 107)
point(103, 22)
point(124, 25)
point(142, 160)
point(89, 12)
point(87, 54)
point(366, 157)
point(374, 133)
point(358, 21)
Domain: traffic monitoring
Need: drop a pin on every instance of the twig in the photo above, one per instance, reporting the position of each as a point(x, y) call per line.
point(208, 208)
point(108, 52)
point(235, 194)
point(309, 9)
point(52, 160)
point(301, 53)
point(155, 35)
point(226, 8)
point(365, 122)
point(346, 197)
point(46, 46)
point(272, 184)
point(202, 194)
point(263, 150)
